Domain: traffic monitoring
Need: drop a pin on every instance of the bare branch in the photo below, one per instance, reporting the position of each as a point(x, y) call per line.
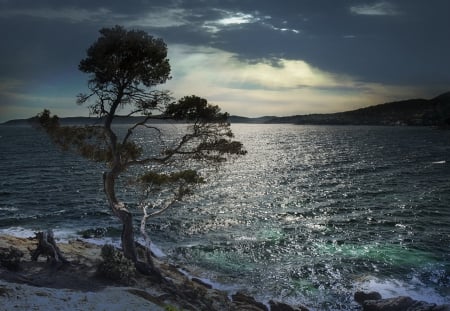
point(143, 124)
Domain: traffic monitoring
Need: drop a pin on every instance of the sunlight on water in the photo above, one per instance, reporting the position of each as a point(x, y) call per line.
point(310, 215)
point(309, 219)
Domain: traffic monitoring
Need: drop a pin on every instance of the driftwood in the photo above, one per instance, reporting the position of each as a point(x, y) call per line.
point(47, 247)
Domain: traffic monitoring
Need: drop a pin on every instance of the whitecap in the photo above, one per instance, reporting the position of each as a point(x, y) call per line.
point(245, 238)
point(61, 235)
point(18, 232)
point(157, 251)
point(105, 240)
point(230, 289)
point(9, 209)
point(415, 289)
point(439, 162)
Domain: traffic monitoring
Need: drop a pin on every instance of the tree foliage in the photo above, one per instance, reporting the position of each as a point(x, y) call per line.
point(124, 66)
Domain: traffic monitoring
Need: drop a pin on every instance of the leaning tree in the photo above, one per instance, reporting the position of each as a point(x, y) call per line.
point(124, 68)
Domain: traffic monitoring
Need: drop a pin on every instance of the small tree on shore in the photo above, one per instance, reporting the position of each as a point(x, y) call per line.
point(124, 66)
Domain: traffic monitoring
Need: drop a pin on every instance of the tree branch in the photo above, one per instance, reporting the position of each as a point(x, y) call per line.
point(142, 123)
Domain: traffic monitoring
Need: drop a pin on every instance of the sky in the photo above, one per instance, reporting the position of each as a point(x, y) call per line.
point(251, 57)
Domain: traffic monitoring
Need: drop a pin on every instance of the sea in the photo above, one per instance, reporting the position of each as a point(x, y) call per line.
point(309, 216)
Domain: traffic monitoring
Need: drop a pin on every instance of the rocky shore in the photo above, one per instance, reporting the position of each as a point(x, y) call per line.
point(26, 284)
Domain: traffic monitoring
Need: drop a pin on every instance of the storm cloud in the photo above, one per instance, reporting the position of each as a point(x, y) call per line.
point(251, 57)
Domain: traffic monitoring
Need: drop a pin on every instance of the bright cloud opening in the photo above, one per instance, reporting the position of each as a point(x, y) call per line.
point(255, 89)
point(379, 8)
point(238, 18)
point(231, 19)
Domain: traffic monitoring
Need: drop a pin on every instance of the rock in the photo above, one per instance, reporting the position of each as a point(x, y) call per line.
point(401, 303)
point(360, 297)
point(372, 301)
point(280, 306)
point(247, 302)
point(146, 295)
point(442, 308)
point(390, 304)
point(201, 282)
point(422, 306)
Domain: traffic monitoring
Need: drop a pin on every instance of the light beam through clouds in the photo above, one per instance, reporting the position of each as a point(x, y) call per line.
point(264, 88)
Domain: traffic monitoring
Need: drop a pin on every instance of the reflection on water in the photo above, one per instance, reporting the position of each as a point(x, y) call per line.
point(313, 211)
point(310, 214)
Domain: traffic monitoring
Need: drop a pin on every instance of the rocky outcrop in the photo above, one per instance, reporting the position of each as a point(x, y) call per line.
point(246, 302)
point(178, 290)
point(360, 297)
point(373, 302)
point(81, 274)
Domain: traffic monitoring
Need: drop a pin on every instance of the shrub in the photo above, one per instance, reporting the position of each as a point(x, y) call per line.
point(115, 266)
point(10, 258)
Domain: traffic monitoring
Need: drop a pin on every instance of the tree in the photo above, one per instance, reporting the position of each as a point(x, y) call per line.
point(124, 66)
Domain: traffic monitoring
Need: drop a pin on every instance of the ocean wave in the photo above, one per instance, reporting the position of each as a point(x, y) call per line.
point(389, 288)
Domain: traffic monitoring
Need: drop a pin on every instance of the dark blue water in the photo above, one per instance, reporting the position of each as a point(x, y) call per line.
point(310, 214)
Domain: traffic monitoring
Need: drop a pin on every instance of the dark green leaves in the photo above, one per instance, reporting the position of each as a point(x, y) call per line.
point(46, 121)
point(126, 58)
point(222, 146)
point(194, 108)
point(160, 179)
point(88, 141)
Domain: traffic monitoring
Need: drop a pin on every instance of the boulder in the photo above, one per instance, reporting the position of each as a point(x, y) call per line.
point(360, 297)
point(246, 302)
point(402, 303)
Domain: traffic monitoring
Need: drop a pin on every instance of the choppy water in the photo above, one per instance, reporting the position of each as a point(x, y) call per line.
point(310, 214)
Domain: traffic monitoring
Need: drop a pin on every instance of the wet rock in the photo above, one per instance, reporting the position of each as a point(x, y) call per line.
point(372, 302)
point(422, 306)
point(246, 302)
point(201, 282)
point(401, 303)
point(360, 297)
point(279, 306)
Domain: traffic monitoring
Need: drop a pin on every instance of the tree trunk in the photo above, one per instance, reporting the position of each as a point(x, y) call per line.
point(119, 209)
point(47, 246)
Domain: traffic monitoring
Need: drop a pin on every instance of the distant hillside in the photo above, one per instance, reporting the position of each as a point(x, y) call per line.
point(422, 112)
point(238, 119)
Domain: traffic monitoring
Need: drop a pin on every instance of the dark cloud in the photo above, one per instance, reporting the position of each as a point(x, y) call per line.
point(401, 42)
point(375, 40)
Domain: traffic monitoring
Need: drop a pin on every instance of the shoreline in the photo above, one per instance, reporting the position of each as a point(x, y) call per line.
point(39, 285)
point(77, 286)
